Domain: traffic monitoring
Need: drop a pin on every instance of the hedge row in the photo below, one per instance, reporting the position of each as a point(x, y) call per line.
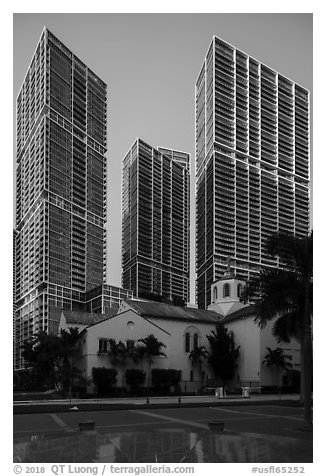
point(162, 379)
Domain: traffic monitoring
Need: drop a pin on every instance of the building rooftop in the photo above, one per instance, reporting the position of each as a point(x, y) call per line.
point(241, 313)
point(87, 318)
point(167, 311)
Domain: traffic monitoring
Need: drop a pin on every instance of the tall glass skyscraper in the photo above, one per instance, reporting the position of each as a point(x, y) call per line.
point(155, 223)
point(252, 163)
point(61, 187)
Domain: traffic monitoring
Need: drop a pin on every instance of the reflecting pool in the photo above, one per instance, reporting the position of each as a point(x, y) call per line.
point(168, 445)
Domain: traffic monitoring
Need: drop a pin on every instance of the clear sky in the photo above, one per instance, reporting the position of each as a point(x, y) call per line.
point(150, 63)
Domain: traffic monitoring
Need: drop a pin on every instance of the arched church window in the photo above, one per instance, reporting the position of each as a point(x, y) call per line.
point(195, 341)
point(187, 341)
point(226, 290)
point(239, 290)
point(191, 338)
point(215, 294)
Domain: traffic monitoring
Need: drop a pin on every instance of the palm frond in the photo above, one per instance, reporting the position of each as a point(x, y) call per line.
point(288, 325)
point(296, 253)
point(277, 292)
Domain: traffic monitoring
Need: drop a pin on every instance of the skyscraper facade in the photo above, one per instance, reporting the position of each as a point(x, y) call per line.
point(252, 163)
point(155, 222)
point(61, 187)
point(14, 307)
point(102, 299)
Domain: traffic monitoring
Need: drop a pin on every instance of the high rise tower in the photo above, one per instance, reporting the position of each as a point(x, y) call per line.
point(61, 187)
point(155, 223)
point(252, 163)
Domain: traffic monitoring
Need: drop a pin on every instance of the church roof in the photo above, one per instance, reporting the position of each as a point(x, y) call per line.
point(240, 314)
point(87, 318)
point(153, 309)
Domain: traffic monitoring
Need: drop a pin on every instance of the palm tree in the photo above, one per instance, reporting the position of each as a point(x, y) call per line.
point(151, 348)
point(43, 354)
point(276, 358)
point(69, 353)
point(197, 357)
point(223, 354)
point(286, 294)
point(119, 353)
point(51, 358)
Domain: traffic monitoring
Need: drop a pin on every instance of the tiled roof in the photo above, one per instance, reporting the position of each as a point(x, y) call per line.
point(167, 311)
point(87, 318)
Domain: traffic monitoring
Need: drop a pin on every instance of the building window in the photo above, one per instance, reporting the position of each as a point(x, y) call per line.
point(239, 290)
point(226, 290)
point(103, 346)
point(192, 338)
point(195, 341)
point(187, 339)
point(215, 294)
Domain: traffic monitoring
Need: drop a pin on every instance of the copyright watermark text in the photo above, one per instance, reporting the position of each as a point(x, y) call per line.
point(66, 469)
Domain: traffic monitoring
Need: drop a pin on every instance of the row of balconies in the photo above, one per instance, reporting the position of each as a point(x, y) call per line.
point(98, 94)
point(301, 133)
point(242, 82)
point(286, 129)
point(302, 171)
point(302, 128)
point(253, 70)
point(301, 162)
point(241, 114)
point(285, 86)
point(96, 107)
point(225, 76)
point(268, 75)
point(286, 111)
point(268, 107)
point(285, 189)
point(300, 115)
point(224, 63)
point(301, 98)
point(284, 140)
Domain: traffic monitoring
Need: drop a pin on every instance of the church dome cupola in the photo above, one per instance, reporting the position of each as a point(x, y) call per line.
point(226, 292)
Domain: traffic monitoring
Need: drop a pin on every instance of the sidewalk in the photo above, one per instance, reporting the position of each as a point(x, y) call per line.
point(41, 406)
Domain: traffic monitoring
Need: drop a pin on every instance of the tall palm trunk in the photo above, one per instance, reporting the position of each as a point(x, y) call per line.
point(279, 377)
point(123, 373)
point(302, 374)
point(307, 363)
point(149, 375)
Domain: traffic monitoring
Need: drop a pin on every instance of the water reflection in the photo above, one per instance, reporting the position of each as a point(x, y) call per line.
point(158, 446)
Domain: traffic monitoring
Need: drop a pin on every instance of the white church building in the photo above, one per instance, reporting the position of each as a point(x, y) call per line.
point(181, 329)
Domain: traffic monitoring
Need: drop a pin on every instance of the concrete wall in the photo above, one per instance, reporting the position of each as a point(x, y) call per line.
point(253, 342)
point(269, 375)
point(247, 335)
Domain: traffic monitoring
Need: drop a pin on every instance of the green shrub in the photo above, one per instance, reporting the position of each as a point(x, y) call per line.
point(104, 379)
point(135, 378)
point(166, 378)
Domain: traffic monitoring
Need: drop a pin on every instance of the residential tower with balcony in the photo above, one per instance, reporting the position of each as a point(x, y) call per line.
point(60, 188)
point(252, 163)
point(156, 223)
